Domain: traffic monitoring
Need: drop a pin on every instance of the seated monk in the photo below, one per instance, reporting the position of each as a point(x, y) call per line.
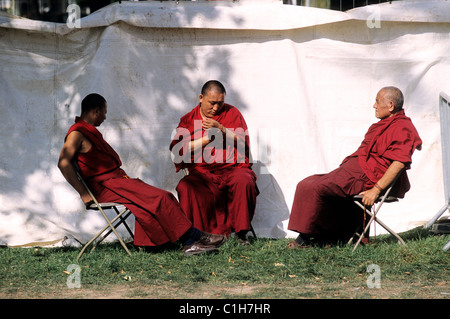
point(159, 218)
point(212, 143)
point(323, 210)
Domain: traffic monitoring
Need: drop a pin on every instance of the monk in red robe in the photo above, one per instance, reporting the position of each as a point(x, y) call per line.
point(323, 209)
point(159, 218)
point(212, 144)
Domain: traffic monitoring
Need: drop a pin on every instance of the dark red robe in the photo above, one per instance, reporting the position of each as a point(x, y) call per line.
point(219, 194)
point(159, 218)
point(322, 204)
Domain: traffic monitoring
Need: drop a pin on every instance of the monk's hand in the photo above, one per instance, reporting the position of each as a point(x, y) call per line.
point(87, 200)
point(210, 123)
point(370, 196)
point(214, 133)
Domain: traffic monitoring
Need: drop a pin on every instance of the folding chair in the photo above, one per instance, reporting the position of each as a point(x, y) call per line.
point(186, 172)
point(384, 198)
point(122, 215)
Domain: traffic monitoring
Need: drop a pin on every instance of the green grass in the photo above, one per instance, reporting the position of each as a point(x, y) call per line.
point(265, 269)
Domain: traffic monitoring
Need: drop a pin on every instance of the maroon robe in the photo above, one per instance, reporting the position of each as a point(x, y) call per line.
point(159, 218)
point(322, 204)
point(219, 194)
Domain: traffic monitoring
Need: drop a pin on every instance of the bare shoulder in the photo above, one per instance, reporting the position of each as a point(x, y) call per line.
point(75, 137)
point(76, 140)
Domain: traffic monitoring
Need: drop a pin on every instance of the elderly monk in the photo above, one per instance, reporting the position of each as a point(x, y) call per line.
point(323, 211)
point(159, 218)
point(212, 143)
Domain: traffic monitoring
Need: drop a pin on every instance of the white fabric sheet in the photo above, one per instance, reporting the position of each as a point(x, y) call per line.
point(304, 78)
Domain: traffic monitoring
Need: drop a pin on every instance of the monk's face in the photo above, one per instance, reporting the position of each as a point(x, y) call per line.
point(100, 115)
point(383, 106)
point(211, 103)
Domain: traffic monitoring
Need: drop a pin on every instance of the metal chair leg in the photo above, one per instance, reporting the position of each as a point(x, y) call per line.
point(374, 218)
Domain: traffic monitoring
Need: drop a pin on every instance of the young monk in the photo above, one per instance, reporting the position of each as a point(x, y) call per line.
point(159, 218)
point(212, 143)
point(323, 210)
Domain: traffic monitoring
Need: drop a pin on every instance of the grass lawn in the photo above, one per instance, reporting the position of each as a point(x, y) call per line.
point(264, 270)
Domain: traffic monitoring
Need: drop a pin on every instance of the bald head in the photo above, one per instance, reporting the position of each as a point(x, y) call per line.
point(394, 95)
point(213, 85)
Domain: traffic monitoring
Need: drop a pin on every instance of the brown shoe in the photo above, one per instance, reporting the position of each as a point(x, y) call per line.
point(198, 248)
point(206, 243)
point(212, 239)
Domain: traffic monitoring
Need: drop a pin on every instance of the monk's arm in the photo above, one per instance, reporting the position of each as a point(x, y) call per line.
point(199, 143)
point(229, 134)
point(68, 152)
point(370, 195)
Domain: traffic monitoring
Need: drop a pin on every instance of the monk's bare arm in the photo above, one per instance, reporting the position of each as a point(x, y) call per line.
point(70, 148)
point(209, 124)
point(199, 143)
point(229, 134)
point(392, 172)
point(370, 195)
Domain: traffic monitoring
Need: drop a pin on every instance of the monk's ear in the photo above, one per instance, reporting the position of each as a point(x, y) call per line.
point(391, 107)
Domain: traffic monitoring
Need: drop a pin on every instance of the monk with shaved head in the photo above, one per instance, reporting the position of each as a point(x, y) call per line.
point(323, 210)
point(158, 216)
point(212, 143)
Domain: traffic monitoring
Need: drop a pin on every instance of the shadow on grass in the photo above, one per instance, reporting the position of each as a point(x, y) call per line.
point(414, 234)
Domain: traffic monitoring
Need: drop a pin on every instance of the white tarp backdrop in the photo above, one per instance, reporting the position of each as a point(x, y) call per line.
point(304, 78)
